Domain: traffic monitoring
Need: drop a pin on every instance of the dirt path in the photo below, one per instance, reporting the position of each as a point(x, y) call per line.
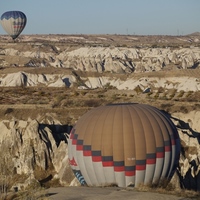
point(77, 193)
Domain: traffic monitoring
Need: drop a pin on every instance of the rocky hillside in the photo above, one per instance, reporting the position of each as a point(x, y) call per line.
point(48, 82)
point(118, 61)
point(34, 150)
point(90, 56)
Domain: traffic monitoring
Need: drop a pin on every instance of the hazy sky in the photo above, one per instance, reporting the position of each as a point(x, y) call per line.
point(144, 17)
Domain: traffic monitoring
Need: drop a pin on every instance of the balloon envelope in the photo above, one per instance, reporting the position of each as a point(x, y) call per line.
point(13, 22)
point(123, 144)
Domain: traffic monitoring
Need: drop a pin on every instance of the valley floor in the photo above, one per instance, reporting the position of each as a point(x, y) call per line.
point(64, 193)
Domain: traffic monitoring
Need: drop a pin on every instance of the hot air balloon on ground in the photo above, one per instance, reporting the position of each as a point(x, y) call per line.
point(13, 22)
point(124, 145)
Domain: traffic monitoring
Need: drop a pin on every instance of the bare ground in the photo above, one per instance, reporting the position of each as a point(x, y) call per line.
point(91, 193)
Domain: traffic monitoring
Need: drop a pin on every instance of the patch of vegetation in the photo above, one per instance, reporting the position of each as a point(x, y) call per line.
point(9, 110)
point(189, 93)
point(33, 192)
point(173, 93)
point(138, 90)
point(184, 109)
point(181, 93)
point(109, 86)
point(161, 90)
point(101, 96)
point(166, 106)
point(92, 103)
point(156, 96)
point(166, 187)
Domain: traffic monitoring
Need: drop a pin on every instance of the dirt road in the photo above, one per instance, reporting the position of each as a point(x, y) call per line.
point(89, 193)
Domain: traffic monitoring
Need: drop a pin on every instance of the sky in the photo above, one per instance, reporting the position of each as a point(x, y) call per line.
point(132, 17)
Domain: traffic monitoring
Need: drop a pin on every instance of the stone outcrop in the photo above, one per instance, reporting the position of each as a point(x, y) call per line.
point(24, 79)
point(189, 163)
point(36, 149)
point(103, 59)
point(128, 60)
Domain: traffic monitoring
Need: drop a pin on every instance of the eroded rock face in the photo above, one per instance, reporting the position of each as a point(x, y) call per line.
point(27, 147)
point(128, 60)
point(189, 163)
point(115, 60)
point(23, 79)
point(103, 59)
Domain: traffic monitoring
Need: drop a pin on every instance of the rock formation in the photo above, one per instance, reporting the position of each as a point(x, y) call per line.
point(101, 59)
point(35, 149)
point(189, 163)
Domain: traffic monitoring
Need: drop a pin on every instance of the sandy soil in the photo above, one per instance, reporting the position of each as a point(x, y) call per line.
point(64, 193)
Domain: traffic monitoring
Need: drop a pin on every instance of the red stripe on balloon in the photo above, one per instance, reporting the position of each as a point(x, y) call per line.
point(107, 163)
point(118, 168)
point(79, 147)
point(74, 141)
point(87, 153)
point(140, 167)
point(160, 155)
point(151, 161)
point(167, 148)
point(18, 26)
point(129, 173)
point(71, 136)
point(96, 158)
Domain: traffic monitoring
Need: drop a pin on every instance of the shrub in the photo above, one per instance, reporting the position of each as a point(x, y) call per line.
point(9, 110)
point(83, 93)
point(161, 90)
point(156, 95)
point(181, 93)
point(114, 97)
point(173, 93)
point(138, 89)
point(109, 86)
point(75, 93)
point(166, 106)
point(189, 93)
point(100, 96)
point(92, 103)
point(183, 109)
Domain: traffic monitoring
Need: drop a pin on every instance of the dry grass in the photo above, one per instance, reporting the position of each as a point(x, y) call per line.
point(33, 192)
point(28, 188)
point(170, 189)
point(25, 102)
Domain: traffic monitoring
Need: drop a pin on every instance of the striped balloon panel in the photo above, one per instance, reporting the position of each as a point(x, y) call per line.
point(124, 144)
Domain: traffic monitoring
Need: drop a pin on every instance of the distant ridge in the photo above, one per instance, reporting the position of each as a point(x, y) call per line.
point(194, 34)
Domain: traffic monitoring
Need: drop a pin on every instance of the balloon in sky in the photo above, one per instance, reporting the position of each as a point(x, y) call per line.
point(13, 22)
point(124, 145)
